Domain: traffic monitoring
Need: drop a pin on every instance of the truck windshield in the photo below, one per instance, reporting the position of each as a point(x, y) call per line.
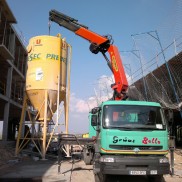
point(133, 117)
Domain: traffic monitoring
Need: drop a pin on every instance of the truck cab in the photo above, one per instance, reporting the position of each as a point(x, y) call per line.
point(131, 139)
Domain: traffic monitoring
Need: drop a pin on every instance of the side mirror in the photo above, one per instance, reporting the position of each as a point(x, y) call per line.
point(95, 110)
point(94, 120)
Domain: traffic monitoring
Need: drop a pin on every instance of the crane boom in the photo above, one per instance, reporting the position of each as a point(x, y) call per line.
point(101, 44)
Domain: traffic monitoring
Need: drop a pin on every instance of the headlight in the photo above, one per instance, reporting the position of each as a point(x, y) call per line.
point(106, 159)
point(164, 160)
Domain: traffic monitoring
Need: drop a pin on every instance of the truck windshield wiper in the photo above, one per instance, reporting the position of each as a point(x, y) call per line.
point(135, 127)
point(122, 127)
point(148, 127)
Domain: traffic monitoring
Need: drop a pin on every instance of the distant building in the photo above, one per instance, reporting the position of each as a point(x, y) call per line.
point(13, 63)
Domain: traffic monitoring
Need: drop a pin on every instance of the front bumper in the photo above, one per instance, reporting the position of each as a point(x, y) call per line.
point(129, 165)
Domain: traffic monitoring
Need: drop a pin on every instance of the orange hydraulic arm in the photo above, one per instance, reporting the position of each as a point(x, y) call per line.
point(101, 44)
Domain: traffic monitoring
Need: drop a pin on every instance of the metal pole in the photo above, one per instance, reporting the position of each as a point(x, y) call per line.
point(175, 48)
point(129, 68)
point(68, 90)
point(166, 63)
point(172, 160)
point(67, 100)
point(139, 57)
point(172, 148)
point(169, 72)
point(44, 127)
point(49, 27)
point(58, 96)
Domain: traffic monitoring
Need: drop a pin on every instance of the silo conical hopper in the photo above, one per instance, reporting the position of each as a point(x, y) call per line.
point(47, 64)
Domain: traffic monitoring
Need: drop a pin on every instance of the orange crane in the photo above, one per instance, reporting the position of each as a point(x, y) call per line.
point(98, 44)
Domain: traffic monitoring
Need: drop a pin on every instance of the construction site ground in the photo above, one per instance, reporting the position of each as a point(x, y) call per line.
point(30, 168)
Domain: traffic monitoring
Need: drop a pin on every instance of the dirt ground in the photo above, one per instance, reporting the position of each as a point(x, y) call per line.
point(7, 153)
point(47, 171)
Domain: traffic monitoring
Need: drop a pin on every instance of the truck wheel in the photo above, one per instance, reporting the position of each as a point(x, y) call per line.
point(87, 160)
point(157, 178)
point(100, 177)
point(87, 157)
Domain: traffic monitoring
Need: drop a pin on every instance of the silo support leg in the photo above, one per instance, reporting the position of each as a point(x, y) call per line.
point(44, 127)
point(66, 108)
point(21, 125)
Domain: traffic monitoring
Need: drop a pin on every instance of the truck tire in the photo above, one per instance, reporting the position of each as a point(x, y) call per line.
point(87, 157)
point(157, 178)
point(100, 177)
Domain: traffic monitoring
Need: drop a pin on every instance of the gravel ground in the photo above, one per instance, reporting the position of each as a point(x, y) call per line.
point(81, 172)
point(47, 171)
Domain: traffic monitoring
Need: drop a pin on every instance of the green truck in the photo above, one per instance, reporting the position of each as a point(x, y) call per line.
point(126, 137)
point(131, 138)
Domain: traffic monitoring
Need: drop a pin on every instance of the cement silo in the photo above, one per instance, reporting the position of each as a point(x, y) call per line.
point(47, 63)
point(46, 80)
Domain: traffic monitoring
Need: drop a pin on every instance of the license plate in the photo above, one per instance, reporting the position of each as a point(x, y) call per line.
point(138, 172)
point(153, 172)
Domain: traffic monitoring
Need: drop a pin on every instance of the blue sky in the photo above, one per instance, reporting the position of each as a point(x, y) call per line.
point(120, 18)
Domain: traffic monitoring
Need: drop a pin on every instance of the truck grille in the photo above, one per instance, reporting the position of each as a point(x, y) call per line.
point(128, 147)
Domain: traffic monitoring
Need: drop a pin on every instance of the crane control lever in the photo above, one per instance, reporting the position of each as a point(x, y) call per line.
point(98, 44)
